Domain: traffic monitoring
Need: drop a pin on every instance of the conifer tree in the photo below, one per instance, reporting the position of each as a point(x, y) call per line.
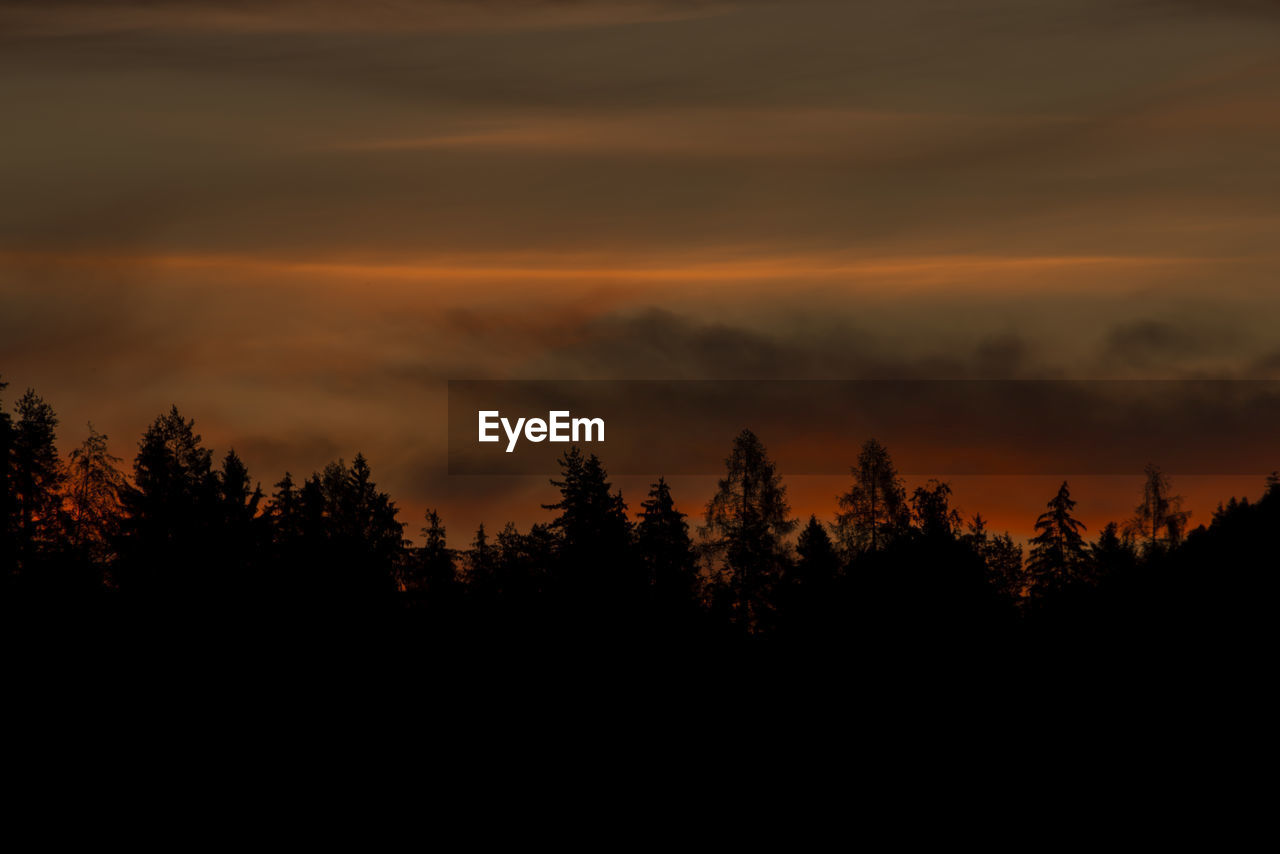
point(1058, 554)
point(93, 490)
point(874, 510)
point(818, 561)
point(1113, 554)
point(1002, 556)
point(243, 534)
point(932, 512)
point(363, 538)
point(435, 559)
point(480, 563)
point(172, 510)
point(8, 505)
point(594, 531)
point(747, 522)
point(37, 478)
point(664, 547)
point(285, 513)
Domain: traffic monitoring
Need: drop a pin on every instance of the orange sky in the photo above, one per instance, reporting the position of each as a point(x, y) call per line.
point(298, 220)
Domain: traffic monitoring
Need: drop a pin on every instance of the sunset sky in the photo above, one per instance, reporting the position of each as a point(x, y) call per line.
point(299, 220)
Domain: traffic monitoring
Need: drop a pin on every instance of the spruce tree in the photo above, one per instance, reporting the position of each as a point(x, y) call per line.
point(243, 534)
point(8, 505)
point(94, 487)
point(1058, 555)
point(480, 564)
point(435, 559)
point(595, 567)
point(173, 511)
point(1002, 556)
point(664, 547)
point(36, 479)
point(818, 561)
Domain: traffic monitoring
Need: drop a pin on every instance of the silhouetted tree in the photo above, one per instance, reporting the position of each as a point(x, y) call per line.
point(243, 533)
point(1002, 556)
point(1160, 520)
point(874, 510)
point(746, 526)
point(595, 535)
point(929, 588)
point(239, 502)
point(932, 512)
point(173, 512)
point(805, 601)
point(539, 549)
point(8, 509)
point(818, 561)
point(911, 583)
point(480, 564)
point(285, 513)
point(1058, 553)
point(1113, 554)
point(435, 570)
point(664, 548)
point(37, 479)
point(93, 490)
point(516, 570)
point(356, 523)
point(295, 520)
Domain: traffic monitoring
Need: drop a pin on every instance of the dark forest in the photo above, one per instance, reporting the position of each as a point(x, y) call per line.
point(177, 534)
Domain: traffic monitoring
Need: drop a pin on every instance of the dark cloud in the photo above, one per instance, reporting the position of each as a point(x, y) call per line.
point(1053, 129)
point(293, 16)
point(1161, 345)
point(658, 344)
point(209, 203)
point(1267, 365)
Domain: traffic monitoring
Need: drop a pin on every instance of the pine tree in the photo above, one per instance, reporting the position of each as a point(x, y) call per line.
point(243, 533)
point(874, 510)
point(37, 478)
point(805, 602)
point(480, 564)
point(239, 502)
point(746, 527)
point(8, 505)
point(664, 547)
point(357, 524)
point(435, 559)
point(376, 513)
point(1002, 556)
point(173, 512)
point(818, 561)
point(594, 533)
point(510, 566)
point(1058, 556)
point(285, 514)
point(1113, 554)
point(93, 490)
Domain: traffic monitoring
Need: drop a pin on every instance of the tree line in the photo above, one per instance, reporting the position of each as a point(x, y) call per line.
point(183, 530)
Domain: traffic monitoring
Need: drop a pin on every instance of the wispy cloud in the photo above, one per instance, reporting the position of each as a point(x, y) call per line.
point(302, 16)
point(849, 135)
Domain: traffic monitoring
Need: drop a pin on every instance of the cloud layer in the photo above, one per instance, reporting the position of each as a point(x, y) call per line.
point(298, 220)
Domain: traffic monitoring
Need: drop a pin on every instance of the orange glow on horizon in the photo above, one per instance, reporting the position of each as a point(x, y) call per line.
point(928, 270)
